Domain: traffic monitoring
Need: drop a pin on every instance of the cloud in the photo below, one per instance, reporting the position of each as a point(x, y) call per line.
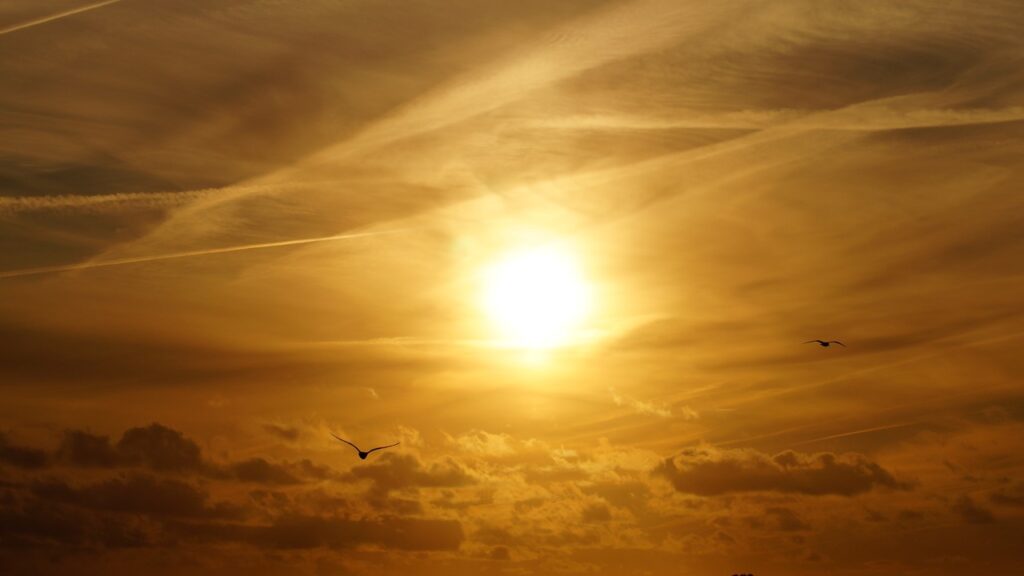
point(400, 471)
point(608, 35)
point(85, 450)
point(261, 471)
point(449, 501)
point(649, 408)
point(163, 449)
point(40, 524)
point(630, 494)
point(155, 446)
point(785, 519)
point(1011, 496)
point(20, 456)
point(146, 510)
point(289, 433)
point(887, 114)
point(159, 448)
point(499, 553)
point(708, 471)
point(545, 475)
point(142, 259)
point(310, 469)
point(57, 16)
point(972, 512)
point(506, 450)
point(137, 494)
point(300, 532)
point(400, 533)
point(99, 203)
point(596, 513)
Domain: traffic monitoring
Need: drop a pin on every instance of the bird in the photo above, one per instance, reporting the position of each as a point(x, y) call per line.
point(363, 455)
point(826, 343)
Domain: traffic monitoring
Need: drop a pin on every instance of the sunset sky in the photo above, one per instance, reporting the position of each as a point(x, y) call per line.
point(568, 253)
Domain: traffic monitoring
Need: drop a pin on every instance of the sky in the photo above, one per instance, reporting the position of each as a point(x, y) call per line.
point(568, 254)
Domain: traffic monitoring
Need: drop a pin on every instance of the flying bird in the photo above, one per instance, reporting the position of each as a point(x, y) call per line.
point(363, 455)
point(826, 343)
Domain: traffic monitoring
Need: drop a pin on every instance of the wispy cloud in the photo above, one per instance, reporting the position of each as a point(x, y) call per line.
point(98, 203)
point(650, 408)
point(88, 265)
point(57, 16)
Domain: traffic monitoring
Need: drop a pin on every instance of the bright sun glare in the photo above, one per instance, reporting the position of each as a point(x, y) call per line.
point(537, 297)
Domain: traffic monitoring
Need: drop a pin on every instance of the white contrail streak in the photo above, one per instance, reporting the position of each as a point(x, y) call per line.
point(856, 432)
point(188, 254)
point(53, 17)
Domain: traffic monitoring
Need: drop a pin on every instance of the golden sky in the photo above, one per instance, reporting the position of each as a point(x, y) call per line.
point(567, 253)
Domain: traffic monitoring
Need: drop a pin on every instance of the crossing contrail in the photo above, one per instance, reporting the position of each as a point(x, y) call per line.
point(53, 17)
point(187, 254)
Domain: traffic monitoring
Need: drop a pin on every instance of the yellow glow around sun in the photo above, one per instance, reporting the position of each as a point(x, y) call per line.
point(537, 297)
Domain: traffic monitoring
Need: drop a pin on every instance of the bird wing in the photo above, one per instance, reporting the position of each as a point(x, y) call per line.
point(346, 442)
point(382, 447)
point(837, 342)
point(813, 341)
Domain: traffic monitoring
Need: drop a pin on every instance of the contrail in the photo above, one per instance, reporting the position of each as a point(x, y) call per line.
point(188, 254)
point(53, 17)
point(856, 432)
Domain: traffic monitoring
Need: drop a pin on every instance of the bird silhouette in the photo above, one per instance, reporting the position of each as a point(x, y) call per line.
point(826, 343)
point(363, 455)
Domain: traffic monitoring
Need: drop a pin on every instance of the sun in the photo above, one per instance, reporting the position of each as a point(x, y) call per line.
point(537, 297)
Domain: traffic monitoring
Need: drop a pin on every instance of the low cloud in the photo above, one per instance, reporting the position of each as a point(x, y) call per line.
point(1010, 496)
point(162, 449)
point(297, 532)
point(596, 513)
point(85, 450)
point(146, 510)
point(142, 494)
point(288, 433)
point(632, 495)
point(449, 501)
point(401, 471)
point(785, 519)
point(261, 471)
point(972, 512)
point(707, 471)
point(155, 446)
point(27, 525)
point(21, 456)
